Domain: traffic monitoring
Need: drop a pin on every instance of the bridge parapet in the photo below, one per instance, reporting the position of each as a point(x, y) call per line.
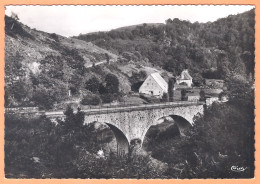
point(114, 109)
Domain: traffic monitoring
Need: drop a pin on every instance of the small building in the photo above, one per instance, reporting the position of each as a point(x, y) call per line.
point(193, 98)
point(214, 83)
point(211, 100)
point(184, 78)
point(154, 85)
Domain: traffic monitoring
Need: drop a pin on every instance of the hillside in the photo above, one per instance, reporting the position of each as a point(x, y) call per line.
point(133, 27)
point(44, 69)
point(41, 68)
point(210, 50)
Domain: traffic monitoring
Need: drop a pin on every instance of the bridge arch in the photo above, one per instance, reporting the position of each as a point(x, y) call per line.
point(181, 122)
point(121, 139)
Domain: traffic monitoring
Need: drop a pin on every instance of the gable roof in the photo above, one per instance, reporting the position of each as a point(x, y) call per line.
point(158, 78)
point(185, 75)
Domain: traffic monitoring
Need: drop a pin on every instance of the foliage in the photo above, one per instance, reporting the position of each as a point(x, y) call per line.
point(55, 37)
point(225, 45)
point(165, 97)
point(108, 97)
point(93, 85)
point(202, 95)
point(138, 76)
point(218, 49)
point(183, 94)
point(14, 28)
point(170, 89)
point(112, 84)
point(150, 99)
point(137, 79)
point(91, 100)
point(223, 137)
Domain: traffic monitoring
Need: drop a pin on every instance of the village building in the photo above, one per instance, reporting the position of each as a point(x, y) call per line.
point(211, 100)
point(154, 85)
point(214, 83)
point(184, 78)
point(193, 97)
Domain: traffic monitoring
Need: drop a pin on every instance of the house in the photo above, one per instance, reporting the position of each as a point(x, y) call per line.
point(214, 83)
point(211, 100)
point(184, 78)
point(154, 85)
point(193, 97)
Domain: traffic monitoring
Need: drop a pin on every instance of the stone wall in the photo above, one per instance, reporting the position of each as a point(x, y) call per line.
point(135, 123)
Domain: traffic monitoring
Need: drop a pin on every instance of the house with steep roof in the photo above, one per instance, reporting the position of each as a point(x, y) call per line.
point(184, 78)
point(154, 85)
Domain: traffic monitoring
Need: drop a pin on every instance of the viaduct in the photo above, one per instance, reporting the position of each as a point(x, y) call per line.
point(133, 122)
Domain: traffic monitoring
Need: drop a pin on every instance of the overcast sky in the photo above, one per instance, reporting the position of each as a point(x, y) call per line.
point(73, 20)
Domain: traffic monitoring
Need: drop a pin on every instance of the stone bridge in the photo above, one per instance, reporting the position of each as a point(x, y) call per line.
point(133, 122)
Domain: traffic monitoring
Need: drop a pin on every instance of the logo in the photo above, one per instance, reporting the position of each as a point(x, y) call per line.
point(238, 169)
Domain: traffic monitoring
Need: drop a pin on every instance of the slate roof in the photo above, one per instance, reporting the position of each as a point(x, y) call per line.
point(162, 83)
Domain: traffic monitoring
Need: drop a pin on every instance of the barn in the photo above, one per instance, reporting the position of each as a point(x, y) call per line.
point(154, 85)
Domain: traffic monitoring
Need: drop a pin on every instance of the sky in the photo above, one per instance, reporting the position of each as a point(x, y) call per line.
point(73, 20)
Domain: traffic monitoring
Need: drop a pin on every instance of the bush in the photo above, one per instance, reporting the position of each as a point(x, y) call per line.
point(135, 86)
point(165, 97)
point(150, 99)
point(92, 85)
point(108, 98)
point(184, 95)
point(112, 83)
point(202, 95)
point(55, 37)
point(91, 100)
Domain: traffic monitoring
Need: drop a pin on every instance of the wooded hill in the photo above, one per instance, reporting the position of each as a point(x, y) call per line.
point(40, 68)
point(212, 50)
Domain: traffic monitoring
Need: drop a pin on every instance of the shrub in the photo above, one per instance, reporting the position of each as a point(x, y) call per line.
point(184, 95)
point(91, 100)
point(202, 95)
point(112, 83)
point(108, 98)
point(135, 87)
point(165, 97)
point(55, 37)
point(92, 85)
point(150, 99)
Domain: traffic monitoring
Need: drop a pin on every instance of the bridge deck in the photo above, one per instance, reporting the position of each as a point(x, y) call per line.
point(112, 109)
point(107, 110)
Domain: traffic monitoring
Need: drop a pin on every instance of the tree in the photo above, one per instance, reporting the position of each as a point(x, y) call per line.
point(15, 17)
point(73, 121)
point(107, 98)
point(43, 97)
point(202, 95)
point(138, 76)
point(183, 94)
point(91, 100)
point(220, 123)
point(69, 114)
point(112, 84)
point(165, 97)
point(19, 90)
point(170, 89)
point(92, 85)
point(223, 66)
point(107, 57)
